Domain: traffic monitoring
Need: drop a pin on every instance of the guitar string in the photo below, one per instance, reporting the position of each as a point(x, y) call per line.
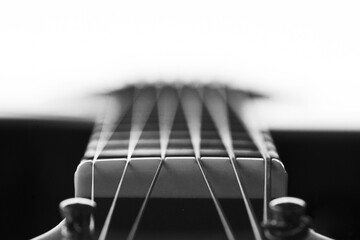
point(200, 165)
point(253, 130)
point(113, 108)
point(106, 225)
point(140, 214)
point(106, 131)
point(228, 231)
point(104, 230)
point(218, 110)
point(254, 222)
point(192, 106)
point(140, 112)
point(167, 106)
point(98, 122)
point(103, 138)
point(233, 98)
point(219, 209)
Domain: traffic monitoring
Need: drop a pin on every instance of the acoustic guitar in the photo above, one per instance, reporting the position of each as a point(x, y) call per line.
point(181, 162)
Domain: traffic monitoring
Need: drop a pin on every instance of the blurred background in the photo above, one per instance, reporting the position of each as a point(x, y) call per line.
point(305, 55)
point(55, 57)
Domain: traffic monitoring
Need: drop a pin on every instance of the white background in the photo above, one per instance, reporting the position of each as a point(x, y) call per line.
point(304, 54)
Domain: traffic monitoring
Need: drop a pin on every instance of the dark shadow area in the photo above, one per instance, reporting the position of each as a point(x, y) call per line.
point(39, 158)
point(38, 161)
point(323, 169)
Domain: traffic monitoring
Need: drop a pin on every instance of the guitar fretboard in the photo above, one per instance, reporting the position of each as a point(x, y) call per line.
point(137, 112)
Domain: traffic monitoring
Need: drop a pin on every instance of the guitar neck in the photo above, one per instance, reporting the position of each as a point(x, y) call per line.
point(179, 141)
point(150, 124)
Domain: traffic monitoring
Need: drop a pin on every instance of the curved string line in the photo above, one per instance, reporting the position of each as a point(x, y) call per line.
point(166, 114)
point(218, 110)
point(193, 119)
point(234, 102)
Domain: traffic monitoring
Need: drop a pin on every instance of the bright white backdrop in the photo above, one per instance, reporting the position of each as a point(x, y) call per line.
point(305, 54)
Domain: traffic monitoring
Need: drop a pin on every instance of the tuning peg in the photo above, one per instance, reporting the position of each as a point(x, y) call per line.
point(79, 223)
point(289, 222)
point(287, 219)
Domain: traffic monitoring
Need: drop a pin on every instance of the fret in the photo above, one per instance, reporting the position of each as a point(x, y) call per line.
point(186, 151)
point(146, 152)
point(207, 149)
point(174, 151)
point(179, 142)
point(152, 148)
